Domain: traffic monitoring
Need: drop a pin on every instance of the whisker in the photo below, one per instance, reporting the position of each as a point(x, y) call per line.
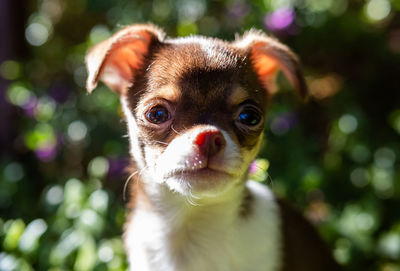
point(192, 199)
point(270, 181)
point(173, 129)
point(126, 184)
point(129, 179)
point(160, 142)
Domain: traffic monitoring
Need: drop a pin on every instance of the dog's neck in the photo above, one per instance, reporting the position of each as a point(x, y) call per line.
point(168, 231)
point(178, 211)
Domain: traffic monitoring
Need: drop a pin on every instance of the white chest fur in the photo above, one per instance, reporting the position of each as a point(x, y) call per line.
point(208, 237)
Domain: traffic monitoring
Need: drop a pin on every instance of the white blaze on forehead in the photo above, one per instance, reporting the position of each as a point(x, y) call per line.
point(218, 54)
point(215, 52)
point(209, 49)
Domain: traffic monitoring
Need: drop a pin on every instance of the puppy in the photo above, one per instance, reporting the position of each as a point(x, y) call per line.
point(195, 110)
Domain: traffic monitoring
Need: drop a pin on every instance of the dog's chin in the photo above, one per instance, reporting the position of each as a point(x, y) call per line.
point(205, 182)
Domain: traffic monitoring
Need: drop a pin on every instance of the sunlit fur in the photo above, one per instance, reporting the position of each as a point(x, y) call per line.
point(176, 235)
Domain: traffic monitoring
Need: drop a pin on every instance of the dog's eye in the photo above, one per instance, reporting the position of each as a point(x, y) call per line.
point(249, 116)
point(157, 114)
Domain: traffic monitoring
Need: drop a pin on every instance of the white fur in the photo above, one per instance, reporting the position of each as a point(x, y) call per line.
point(132, 130)
point(177, 236)
point(213, 52)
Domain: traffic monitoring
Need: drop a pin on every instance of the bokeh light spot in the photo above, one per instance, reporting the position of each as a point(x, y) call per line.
point(389, 245)
point(89, 217)
point(10, 69)
point(13, 172)
point(360, 153)
point(325, 86)
point(384, 158)
point(98, 200)
point(55, 195)
point(365, 221)
point(342, 250)
point(279, 125)
point(347, 124)
point(106, 253)
point(99, 33)
point(19, 95)
point(279, 19)
point(45, 108)
point(36, 34)
point(377, 10)
point(161, 9)
point(98, 167)
point(8, 262)
point(77, 131)
point(382, 180)
point(319, 5)
point(186, 28)
point(191, 10)
point(28, 240)
point(359, 177)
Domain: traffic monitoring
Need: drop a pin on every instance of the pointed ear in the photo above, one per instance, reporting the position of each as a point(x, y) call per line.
point(268, 56)
point(116, 60)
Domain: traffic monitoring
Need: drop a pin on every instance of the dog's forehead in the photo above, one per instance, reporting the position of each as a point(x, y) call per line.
point(200, 68)
point(206, 53)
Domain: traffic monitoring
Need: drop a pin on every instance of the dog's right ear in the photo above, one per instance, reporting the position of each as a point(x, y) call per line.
point(116, 60)
point(268, 56)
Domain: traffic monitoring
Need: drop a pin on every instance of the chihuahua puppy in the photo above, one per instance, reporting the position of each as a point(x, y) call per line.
point(195, 110)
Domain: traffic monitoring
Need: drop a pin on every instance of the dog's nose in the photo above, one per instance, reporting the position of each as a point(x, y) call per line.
point(210, 142)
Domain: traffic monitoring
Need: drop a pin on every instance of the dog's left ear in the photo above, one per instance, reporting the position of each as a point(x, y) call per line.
point(116, 60)
point(268, 56)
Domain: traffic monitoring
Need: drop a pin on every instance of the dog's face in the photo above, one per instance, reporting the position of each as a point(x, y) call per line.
point(195, 106)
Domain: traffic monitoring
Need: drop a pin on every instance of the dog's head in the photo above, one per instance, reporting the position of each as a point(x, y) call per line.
point(194, 106)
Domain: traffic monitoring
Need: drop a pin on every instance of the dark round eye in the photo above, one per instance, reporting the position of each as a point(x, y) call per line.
point(249, 116)
point(157, 114)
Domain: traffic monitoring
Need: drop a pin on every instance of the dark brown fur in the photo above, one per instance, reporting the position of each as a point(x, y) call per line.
point(303, 248)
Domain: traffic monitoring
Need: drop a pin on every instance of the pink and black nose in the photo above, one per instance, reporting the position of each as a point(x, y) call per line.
point(210, 142)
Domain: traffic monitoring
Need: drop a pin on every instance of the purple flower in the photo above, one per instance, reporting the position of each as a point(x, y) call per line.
point(279, 19)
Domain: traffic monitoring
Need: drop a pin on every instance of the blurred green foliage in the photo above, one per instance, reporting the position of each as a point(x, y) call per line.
point(63, 153)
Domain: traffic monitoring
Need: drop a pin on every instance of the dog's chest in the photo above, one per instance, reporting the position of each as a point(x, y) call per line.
point(214, 240)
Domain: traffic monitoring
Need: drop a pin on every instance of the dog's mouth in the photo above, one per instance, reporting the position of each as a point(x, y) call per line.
point(205, 173)
point(202, 172)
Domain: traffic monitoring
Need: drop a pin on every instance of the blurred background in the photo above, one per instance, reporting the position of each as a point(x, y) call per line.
point(63, 152)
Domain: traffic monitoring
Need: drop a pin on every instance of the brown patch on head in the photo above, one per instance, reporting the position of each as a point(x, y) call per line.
point(168, 92)
point(238, 95)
